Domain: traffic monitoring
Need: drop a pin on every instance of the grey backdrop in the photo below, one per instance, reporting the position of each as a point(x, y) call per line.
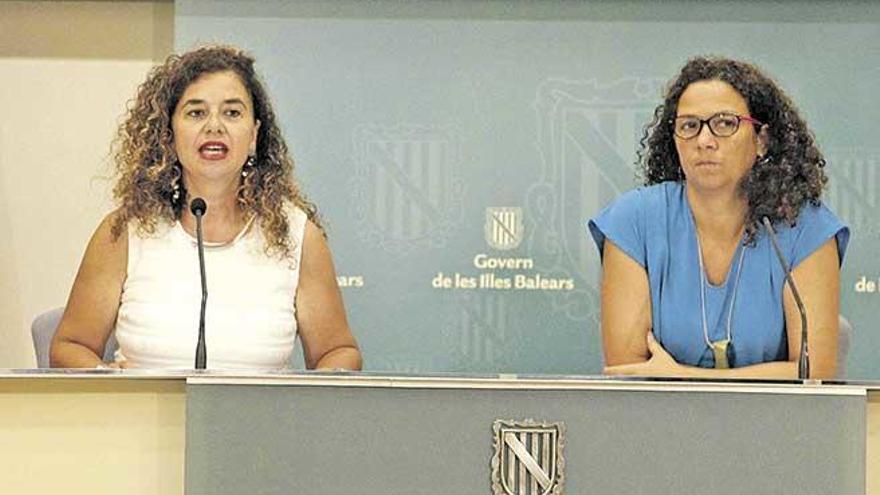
point(413, 124)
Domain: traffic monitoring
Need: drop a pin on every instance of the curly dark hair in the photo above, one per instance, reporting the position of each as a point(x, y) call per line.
point(777, 186)
point(147, 166)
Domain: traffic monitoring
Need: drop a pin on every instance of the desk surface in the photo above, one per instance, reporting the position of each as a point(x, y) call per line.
point(453, 380)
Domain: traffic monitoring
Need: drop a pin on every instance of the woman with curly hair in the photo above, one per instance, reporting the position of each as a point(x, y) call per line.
point(691, 286)
point(202, 126)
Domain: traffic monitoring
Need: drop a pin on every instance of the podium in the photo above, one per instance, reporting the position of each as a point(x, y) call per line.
point(382, 435)
point(311, 433)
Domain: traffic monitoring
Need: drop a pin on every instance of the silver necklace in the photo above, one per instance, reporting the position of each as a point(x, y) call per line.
point(719, 347)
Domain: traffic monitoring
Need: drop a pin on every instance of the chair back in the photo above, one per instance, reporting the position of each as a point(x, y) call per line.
point(43, 329)
point(844, 335)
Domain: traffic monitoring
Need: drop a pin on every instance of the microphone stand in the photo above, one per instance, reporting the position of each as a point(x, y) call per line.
point(804, 361)
point(198, 208)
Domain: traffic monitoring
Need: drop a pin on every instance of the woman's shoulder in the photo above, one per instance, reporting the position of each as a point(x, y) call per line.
point(126, 226)
point(113, 228)
point(655, 198)
point(816, 219)
point(632, 219)
point(815, 224)
point(108, 246)
point(817, 212)
point(297, 218)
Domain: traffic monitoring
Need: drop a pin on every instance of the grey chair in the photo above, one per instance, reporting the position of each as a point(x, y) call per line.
point(43, 329)
point(844, 335)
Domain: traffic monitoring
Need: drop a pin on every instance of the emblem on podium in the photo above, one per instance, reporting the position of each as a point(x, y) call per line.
point(528, 458)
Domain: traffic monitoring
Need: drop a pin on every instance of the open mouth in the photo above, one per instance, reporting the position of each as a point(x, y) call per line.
point(213, 150)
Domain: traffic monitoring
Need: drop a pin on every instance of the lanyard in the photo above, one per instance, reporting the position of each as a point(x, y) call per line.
point(719, 347)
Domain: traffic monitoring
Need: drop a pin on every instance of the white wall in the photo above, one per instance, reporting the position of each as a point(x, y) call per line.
point(66, 72)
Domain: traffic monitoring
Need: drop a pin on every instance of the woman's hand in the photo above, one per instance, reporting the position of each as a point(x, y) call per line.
point(659, 364)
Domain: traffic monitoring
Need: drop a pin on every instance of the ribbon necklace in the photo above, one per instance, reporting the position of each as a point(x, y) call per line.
point(719, 347)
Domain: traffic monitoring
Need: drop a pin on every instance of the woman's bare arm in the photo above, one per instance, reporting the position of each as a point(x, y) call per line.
point(93, 303)
point(326, 338)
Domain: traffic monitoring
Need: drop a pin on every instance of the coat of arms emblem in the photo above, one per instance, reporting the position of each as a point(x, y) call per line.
point(504, 227)
point(528, 458)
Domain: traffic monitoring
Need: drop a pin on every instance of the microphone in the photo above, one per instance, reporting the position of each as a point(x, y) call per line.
point(198, 208)
point(804, 362)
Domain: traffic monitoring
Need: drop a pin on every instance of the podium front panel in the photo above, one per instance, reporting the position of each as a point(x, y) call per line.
point(436, 437)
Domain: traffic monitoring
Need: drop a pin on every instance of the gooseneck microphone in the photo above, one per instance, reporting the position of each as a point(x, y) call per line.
point(804, 362)
point(198, 208)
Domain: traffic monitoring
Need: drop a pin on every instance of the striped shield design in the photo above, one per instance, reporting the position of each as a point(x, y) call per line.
point(407, 186)
point(504, 227)
point(588, 135)
point(854, 188)
point(528, 458)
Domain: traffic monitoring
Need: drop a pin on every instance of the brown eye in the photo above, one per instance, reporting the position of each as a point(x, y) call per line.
point(724, 122)
point(687, 127)
point(724, 125)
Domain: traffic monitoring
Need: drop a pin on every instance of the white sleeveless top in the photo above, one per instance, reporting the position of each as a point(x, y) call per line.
point(250, 317)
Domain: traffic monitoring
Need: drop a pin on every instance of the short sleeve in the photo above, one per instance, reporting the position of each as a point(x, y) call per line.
point(623, 223)
point(815, 225)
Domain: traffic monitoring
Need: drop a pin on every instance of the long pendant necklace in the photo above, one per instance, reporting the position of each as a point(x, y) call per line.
point(719, 347)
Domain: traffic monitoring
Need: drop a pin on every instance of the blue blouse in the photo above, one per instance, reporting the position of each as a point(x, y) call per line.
point(654, 226)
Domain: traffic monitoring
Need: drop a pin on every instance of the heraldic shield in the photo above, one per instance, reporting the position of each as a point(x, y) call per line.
point(528, 458)
point(504, 227)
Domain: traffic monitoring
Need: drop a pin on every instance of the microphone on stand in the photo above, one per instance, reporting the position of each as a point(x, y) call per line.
point(804, 362)
point(198, 208)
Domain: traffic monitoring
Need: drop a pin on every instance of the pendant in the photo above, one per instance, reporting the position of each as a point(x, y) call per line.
point(719, 348)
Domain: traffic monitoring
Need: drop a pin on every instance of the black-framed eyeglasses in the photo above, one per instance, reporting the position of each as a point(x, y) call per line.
point(721, 125)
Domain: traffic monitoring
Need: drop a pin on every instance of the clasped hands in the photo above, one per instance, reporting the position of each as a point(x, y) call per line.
point(661, 363)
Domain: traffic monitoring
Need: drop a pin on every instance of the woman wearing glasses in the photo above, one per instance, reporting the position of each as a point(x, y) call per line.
point(691, 286)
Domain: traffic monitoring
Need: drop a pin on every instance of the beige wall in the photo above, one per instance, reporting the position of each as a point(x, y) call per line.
point(67, 70)
point(92, 436)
